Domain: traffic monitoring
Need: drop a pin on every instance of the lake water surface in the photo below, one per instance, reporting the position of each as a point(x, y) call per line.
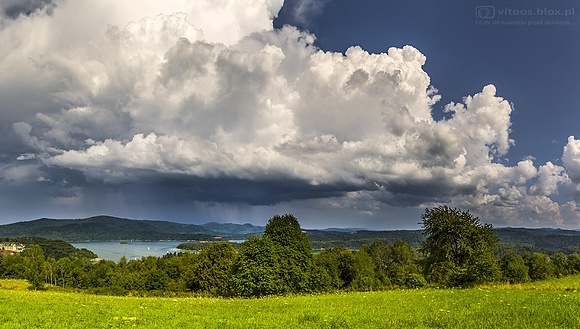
point(114, 250)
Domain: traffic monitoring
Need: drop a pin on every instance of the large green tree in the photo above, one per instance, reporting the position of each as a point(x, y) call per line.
point(279, 262)
point(256, 271)
point(364, 278)
point(338, 266)
point(213, 269)
point(514, 268)
point(34, 266)
point(574, 263)
point(540, 266)
point(63, 272)
point(561, 265)
point(12, 266)
point(294, 252)
point(459, 250)
point(395, 264)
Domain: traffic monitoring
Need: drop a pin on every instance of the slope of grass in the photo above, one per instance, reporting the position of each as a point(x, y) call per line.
point(14, 284)
point(524, 307)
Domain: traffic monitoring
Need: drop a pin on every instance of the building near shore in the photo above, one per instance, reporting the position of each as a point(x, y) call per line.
point(11, 247)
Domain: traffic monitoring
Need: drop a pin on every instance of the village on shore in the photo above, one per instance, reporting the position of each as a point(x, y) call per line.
point(11, 247)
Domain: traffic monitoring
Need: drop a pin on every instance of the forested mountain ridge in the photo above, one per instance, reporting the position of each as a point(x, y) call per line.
point(546, 240)
point(108, 228)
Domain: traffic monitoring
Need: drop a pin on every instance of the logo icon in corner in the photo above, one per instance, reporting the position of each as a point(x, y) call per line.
point(485, 12)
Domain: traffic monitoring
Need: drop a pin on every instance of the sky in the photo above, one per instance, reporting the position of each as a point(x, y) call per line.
point(344, 113)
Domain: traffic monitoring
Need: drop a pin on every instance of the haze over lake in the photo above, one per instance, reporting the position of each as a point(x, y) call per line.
point(114, 250)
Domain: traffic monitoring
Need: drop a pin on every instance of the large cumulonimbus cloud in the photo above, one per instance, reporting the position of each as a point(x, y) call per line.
point(210, 97)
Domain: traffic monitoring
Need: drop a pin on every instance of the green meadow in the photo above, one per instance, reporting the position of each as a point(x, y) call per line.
point(544, 304)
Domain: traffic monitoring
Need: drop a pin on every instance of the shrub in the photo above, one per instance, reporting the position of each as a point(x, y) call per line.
point(415, 281)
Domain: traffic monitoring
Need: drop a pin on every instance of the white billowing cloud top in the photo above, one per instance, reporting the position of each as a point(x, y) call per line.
point(209, 89)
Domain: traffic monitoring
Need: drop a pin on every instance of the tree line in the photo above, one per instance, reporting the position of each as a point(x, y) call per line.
point(458, 251)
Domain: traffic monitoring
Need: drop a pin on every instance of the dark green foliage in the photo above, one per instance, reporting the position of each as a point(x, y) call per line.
point(364, 279)
point(156, 279)
point(574, 263)
point(402, 262)
point(520, 249)
point(49, 271)
point(540, 266)
point(415, 281)
point(459, 250)
point(34, 267)
point(63, 272)
point(483, 267)
point(257, 270)
point(541, 240)
point(519, 240)
point(325, 239)
point(394, 264)
point(561, 266)
point(294, 253)
point(213, 269)
point(78, 273)
point(378, 253)
point(279, 262)
point(285, 231)
point(102, 274)
point(202, 245)
point(12, 266)
point(514, 268)
point(82, 253)
point(338, 264)
point(56, 249)
point(445, 273)
point(373, 267)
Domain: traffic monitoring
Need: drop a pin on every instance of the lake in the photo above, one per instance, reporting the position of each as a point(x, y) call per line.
point(114, 250)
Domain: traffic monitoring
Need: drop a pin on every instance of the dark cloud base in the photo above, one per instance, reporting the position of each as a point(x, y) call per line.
point(15, 8)
point(264, 192)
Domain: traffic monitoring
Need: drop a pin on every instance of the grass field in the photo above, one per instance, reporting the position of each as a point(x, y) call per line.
point(548, 304)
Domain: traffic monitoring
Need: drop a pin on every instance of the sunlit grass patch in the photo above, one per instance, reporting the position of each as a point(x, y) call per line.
point(13, 284)
point(482, 307)
point(568, 283)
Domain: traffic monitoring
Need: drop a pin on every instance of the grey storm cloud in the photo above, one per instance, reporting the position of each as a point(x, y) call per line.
point(200, 101)
point(234, 190)
point(14, 8)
